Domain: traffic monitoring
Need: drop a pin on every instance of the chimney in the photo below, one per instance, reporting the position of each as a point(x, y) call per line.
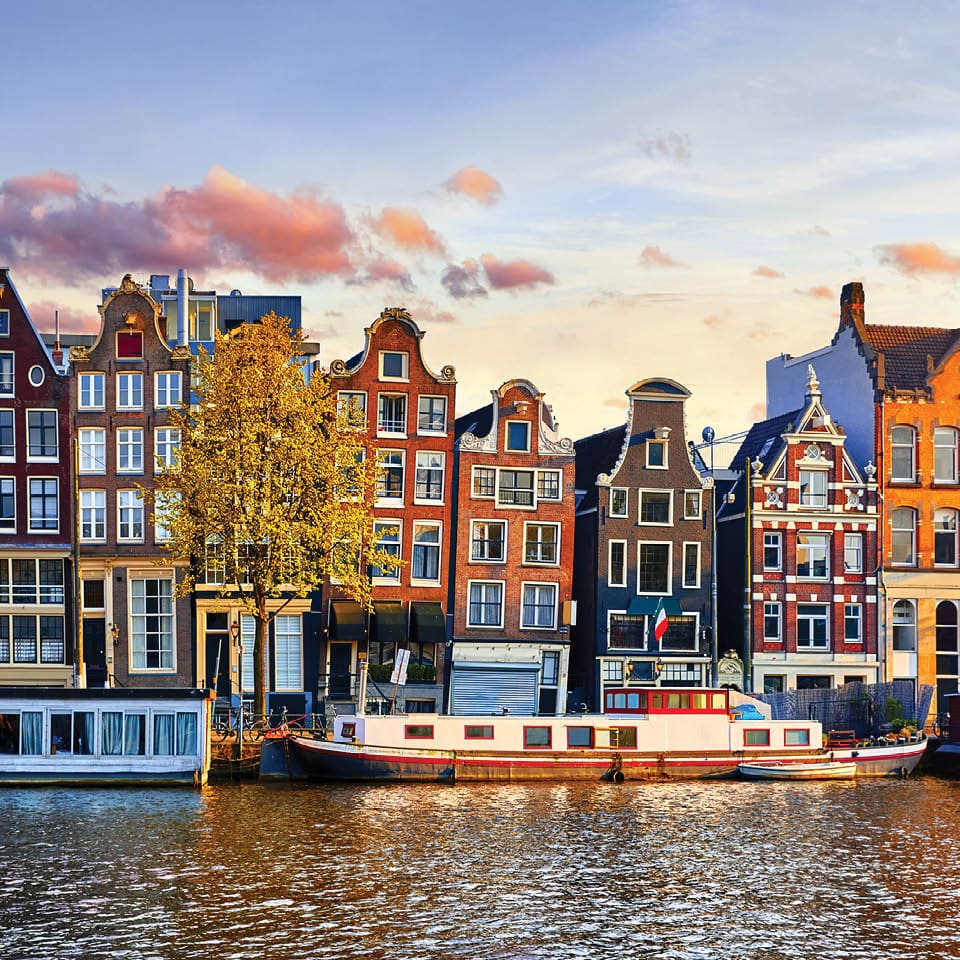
point(57, 351)
point(851, 307)
point(182, 306)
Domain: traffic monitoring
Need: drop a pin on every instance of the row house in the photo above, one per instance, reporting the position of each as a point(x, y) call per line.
point(37, 636)
point(644, 547)
point(803, 519)
point(897, 391)
point(514, 548)
point(407, 411)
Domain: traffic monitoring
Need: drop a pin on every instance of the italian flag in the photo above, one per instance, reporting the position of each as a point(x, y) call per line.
point(660, 624)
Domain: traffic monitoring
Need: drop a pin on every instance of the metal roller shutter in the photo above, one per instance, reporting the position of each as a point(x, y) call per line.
point(483, 689)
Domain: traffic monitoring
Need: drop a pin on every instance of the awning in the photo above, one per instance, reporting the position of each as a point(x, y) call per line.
point(347, 621)
point(389, 623)
point(647, 606)
point(427, 622)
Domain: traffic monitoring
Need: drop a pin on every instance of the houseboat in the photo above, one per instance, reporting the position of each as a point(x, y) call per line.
point(643, 734)
point(102, 736)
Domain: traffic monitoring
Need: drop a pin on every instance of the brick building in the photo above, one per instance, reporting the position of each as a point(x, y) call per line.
point(514, 557)
point(810, 515)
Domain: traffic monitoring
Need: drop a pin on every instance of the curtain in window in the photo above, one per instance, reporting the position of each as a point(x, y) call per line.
point(163, 735)
point(112, 733)
point(83, 733)
point(31, 728)
point(186, 734)
point(133, 734)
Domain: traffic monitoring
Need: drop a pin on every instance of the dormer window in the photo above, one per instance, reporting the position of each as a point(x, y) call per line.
point(394, 365)
point(518, 436)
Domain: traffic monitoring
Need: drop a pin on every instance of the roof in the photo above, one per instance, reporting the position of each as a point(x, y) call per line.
point(758, 436)
point(596, 454)
point(906, 349)
point(479, 422)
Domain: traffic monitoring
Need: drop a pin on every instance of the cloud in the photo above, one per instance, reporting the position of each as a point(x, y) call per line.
point(425, 312)
point(513, 274)
point(406, 228)
point(476, 184)
point(655, 257)
point(820, 293)
point(44, 312)
point(712, 321)
point(757, 412)
point(326, 331)
point(383, 270)
point(333, 313)
point(620, 299)
point(763, 271)
point(618, 402)
point(819, 231)
point(671, 146)
point(914, 258)
point(53, 228)
point(462, 281)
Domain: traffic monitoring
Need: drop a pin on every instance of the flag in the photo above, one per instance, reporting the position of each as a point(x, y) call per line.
point(660, 624)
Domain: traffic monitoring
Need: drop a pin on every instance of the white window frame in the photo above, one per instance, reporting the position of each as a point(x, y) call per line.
point(541, 563)
point(157, 623)
point(9, 524)
point(163, 394)
point(126, 395)
point(32, 519)
point(811, 495)
point(394, 426)
point(663, 445)
point(92, 442)
point(130, 445)
point(475, 471)
point(430, 468)
point(819, 540)
point(538, 586)
point(810, 619)
point(623, 580)
point(683, 571)
point(626, 502)
point(513, 505)
point(945, 533)
point(853, 546)
point(902, 445)
point(654, 523)
point(8, 380)
point(357, 399)
point(384, 501)
point(419, 525)
point(4, 323)
point(288, 651)
point(44, 457)
point(473, 525)
point(911, 561)
point(93, 516)
point(405, 364)
point(381, 524)
point(900, 623)
point(853, 612)
point(939, 434)
point(773, 609)
point(430, 430)
point(11, 413)
point(669, 588)
point(542, 476)
point(775, 541)
point(166, 441)
point(89, 384)
point(132, 502)
point(501, 585)
point(164, 501)
point(699, 512)
point(528, 433)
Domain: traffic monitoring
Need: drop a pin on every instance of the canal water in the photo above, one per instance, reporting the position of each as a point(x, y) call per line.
point(513, 872)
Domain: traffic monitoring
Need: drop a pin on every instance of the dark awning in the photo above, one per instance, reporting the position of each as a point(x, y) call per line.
point(347, 621)
point(428, 624)
point(647, 606)
point(389, 623)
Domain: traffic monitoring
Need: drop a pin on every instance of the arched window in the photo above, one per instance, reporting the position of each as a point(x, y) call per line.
point(945, 538)
point(948, 663)
point(903, 522)
point(945, 455)
point(904, 625)
point(902, 459)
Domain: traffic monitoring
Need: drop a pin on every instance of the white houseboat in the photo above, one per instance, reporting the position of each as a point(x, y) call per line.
point(104, 736)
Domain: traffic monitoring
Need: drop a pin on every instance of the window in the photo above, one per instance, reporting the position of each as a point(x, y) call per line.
point(200, 320)
point(613, 671)
point(580, 738)
point(390, 482)
point(394, 365)
point(945, 538)
point(812, 552)
point(617, 565)
point(151, 624)
point(129, 345)
point(539, 609)
point(773, 683)
point(7, 449)
point(541, 543)
point(130, 450)
point(425, 563)
point(813, 489)
point(515, 488)
point(772, 551)
point(812, 626)
point(129, 515)
point(44, 503)
point(6, 374)
point(945, 455)
point(165, 503)
point(29, 581)
point(42, 435)
point(93, 515)
point(657, 454)
point(488, 540)
point(432, 414)
point(484, 482)
point(618, 501)
point(796, 738)
point(36, 375)
point(93, 449)
point(129, 391)
point(418, 731)
point(167, 390)
point(478, 732)
point(486, 604)
point(656, 507)
point(548, 484)
point(386, 537)
point(904, 625)
point(691, 564)
point(4, 323)
point(34, 639)
point(756, 738)
point(352, 406)
point(8, 504)
point(91, 391)
point(288, 657)
point(691, 505)
point(653, 567)
point(166, 442)
point(903, 529)
point(853, 553)
point(772, 623)
point(429, 479)
point(392, 413)
point(853, 623)
point(902, 457)
point(518, 436)
point(537, 738)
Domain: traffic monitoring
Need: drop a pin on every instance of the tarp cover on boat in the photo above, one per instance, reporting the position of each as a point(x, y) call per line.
point(486, 688)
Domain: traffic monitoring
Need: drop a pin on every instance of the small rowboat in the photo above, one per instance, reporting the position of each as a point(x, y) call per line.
point(830, 770)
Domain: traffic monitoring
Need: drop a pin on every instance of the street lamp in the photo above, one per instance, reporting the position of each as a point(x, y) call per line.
point(709, 435)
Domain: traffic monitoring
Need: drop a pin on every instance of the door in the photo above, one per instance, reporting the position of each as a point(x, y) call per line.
point(95, 650)
point(341, 657)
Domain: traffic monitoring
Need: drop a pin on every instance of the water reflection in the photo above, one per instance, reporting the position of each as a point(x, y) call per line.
point(698, 870)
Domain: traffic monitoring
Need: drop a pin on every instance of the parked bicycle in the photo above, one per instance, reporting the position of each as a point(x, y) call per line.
point(227, 724)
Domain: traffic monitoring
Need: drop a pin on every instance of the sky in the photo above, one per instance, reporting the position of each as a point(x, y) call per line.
point(581, 194)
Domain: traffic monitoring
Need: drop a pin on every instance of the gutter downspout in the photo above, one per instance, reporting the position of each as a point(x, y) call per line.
point(79, 668)
point(881, 556)
point(748, 597)
point(182, 306)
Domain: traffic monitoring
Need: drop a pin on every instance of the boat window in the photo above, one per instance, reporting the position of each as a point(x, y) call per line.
point(31, 727)
point(678, 701)
point(9, 732)
point(756, 738)
point(619, 701)
point(623, 738)
point(123, 734)
point(719, 701)
point(536, 737)
point(163, 734)
point(796, 738)
point(699, 701)
point(657, 699)
point(348, 730)
point(478, 732)
point(186, 734)
point(83, 732)
point(61, 732)
point(633, 701)
point(580, 737)
point(418, 731)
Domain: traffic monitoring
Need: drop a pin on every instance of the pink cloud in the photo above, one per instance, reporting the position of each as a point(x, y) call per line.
point(769, 272)
point(655, 257)
point(31, 189)
point(757, 413)
point(44, 312)
point(513, 274)
point(821, 292)
point(711, 321)
point(425, 312)
point(477, 184)
point(914, 258)
point(407, 228)
point(383, 270)
point(462, 281)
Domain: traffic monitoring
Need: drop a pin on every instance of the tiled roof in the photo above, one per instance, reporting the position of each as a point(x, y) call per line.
point(758, 435)
point(479, 422)
point(905, 351)
point(595, 455)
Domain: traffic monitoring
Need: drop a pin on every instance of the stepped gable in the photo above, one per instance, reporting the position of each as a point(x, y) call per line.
point(905, 351)
point(597, 454)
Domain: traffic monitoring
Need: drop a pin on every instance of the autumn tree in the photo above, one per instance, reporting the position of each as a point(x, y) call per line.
point(271, 482)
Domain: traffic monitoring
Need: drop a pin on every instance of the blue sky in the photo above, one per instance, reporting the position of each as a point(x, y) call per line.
point(669, 189)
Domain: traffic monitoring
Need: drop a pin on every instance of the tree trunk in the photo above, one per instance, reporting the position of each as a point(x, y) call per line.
point(260, 661)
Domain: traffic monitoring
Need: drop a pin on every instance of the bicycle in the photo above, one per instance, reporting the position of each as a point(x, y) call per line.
point(313, 723)
point(227, 726)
